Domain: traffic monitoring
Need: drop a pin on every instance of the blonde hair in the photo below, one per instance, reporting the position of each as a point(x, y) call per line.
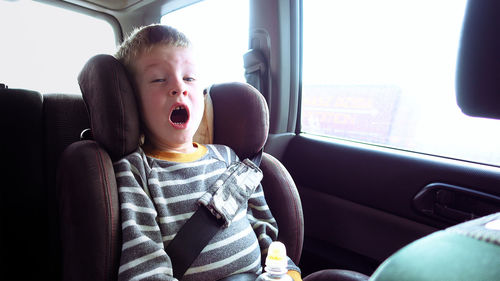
point(145, 38)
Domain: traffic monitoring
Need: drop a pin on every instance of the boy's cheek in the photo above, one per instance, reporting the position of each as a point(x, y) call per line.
point(200, 110)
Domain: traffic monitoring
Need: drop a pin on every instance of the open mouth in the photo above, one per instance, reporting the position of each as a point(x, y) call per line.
point(179, 115)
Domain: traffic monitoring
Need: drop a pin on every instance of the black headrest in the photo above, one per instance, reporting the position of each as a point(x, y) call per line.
point(241, 117)
point(110, 101)
point(478, 67)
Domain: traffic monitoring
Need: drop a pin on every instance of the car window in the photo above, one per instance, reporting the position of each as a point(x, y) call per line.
point(383, 72)
point(219, 32)
point(45, 47)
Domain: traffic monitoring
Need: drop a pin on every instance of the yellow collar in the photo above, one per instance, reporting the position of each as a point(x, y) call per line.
point(177, 156)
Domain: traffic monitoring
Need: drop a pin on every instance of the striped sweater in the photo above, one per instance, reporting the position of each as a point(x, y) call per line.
point(157, 197)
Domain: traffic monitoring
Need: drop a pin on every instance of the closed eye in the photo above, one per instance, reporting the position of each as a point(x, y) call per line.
point(159, 80)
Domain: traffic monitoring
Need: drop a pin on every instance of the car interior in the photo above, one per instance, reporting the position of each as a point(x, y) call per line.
point(347, 210)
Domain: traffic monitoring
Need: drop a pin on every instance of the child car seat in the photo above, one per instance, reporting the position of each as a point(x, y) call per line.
point(88, 200)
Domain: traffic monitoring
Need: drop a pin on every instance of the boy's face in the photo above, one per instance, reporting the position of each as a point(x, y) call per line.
point(171, 97)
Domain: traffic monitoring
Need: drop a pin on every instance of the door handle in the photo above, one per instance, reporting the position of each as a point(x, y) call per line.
point(455, 204)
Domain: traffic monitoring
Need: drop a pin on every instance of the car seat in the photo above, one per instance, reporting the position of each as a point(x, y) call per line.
point(23, 196)
point(466, 251)
point(88, 200)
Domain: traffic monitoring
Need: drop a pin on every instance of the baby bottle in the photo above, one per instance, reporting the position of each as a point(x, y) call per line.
point(276, 264)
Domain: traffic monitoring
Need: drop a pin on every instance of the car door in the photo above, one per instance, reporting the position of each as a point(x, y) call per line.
point(364, 117)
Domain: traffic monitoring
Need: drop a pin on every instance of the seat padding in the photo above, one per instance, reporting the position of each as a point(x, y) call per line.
point(89, 211)
point(23, 193)
point(241, 121)
point(468, 251)
point(285, 205)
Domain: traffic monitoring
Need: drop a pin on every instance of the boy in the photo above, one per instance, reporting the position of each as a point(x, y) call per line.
point(161, 183)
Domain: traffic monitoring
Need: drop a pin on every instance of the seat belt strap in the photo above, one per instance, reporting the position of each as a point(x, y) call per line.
point(217, 208)
point(257, 158)
point(193, 236)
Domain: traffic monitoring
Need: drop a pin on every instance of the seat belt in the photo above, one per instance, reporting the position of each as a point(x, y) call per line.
point(257, 71)
point(211, 214)
point(257, 158)
point(191, 239)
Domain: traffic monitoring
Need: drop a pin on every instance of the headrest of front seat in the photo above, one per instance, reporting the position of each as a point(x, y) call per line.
point(241, 117)
point(478, 65)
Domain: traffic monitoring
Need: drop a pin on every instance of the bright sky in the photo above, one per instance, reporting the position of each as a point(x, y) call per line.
point(363, 40)
point(219, 30)
point(410, 44)
point(44, 48)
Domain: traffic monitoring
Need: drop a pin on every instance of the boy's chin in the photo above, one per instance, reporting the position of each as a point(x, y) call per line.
point(184, 140)
point(181, 136)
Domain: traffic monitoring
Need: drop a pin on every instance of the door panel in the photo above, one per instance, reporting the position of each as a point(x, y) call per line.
point(358, 199)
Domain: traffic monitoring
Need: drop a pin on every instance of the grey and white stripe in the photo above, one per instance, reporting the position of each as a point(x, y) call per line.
point(157, 197)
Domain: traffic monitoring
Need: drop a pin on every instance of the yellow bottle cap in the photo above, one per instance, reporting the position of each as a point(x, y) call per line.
point(276, 255)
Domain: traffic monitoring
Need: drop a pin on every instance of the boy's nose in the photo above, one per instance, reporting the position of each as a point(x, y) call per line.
point(175, 92)
point(178, 88)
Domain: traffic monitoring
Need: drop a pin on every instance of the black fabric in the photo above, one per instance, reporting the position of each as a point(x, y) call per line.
point(191, 239)
point(478, 65)
point(23, 194)
point(89, 213)
point(64, 117)
point(111, 103)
